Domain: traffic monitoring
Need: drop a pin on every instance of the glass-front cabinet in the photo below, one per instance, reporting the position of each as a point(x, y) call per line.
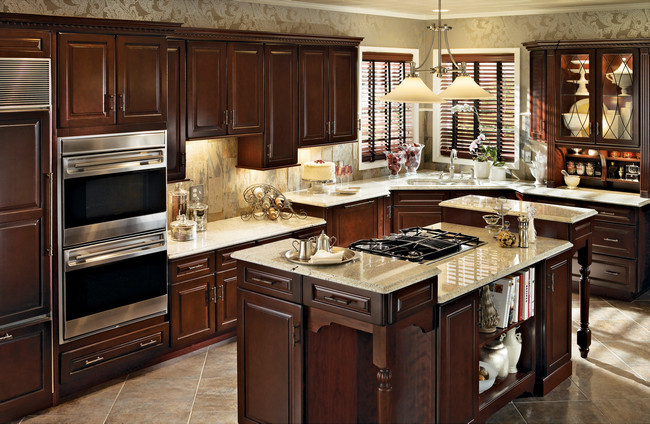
point(598, 97)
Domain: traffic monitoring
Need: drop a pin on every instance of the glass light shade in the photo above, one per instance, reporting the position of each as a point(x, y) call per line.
point(412, 90)
point(465, 88)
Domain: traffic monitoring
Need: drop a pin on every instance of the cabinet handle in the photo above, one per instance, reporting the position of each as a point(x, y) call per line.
point(213, 298)
point(109, 102)
point(334, 125)
point(607, 213)
point(219, 292)
point(93, 361)
point(6, 337)
point(390, 211)
point(269, 148)
point(553, 282)
point(232, 118)
point(614, 273)
point(338, 300)
point(597, 128)
point(358, 204)
point(149, 343)
point(259, 280)
point(296, 334)
point(225, 118)
point(50, 243)
point(611, 239)
point(327, 127)
point(193, 267)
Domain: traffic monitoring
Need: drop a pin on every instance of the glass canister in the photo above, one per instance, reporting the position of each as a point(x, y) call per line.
point(178, 199)
point(199, 211)
point(183, 229)
point(580, 168)
point(589, 170)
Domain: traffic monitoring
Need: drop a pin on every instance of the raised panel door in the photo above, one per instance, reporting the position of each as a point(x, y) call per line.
point(206, 89)
point(245, 88)
point(226, 300)
point(86, 80)
point(355, 221)
point(557, 349)
point(281, 76)
point(191, 315)
point(538, 95)
point(343, 94)
point(269, 360)
point(176, 112)
point(314, 94)
point(141, 79)
point(415, 216)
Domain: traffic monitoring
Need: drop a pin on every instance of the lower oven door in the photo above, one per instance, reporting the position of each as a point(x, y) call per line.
point(109, 284)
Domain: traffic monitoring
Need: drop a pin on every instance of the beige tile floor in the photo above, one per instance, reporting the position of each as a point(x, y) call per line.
point(611, 386)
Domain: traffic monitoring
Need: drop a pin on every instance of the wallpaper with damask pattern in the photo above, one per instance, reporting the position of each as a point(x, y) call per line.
point(212, 162)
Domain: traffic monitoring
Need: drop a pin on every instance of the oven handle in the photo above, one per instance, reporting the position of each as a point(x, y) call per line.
point(109, 255)
point(113, 163)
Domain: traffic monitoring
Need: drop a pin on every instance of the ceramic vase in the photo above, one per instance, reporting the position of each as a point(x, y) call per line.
point(482, 169)
point(498, 173)
point(496, 354)
point(512, 342)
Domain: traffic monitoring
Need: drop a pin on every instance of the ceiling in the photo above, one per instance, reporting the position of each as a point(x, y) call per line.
point(423, 9)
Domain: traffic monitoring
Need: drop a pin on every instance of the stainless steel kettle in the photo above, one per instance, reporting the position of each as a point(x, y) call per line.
point(323, 242)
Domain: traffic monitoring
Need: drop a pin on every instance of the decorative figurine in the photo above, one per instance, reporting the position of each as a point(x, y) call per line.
point(488, 315)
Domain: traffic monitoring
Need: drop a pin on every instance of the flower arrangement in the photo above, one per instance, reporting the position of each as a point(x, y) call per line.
point(481, 151)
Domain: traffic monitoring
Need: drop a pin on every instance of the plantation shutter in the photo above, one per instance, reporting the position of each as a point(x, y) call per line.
point(384, 125)
point(496, 74)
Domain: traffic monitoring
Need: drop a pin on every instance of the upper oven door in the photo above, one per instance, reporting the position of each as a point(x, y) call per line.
point(108, 195)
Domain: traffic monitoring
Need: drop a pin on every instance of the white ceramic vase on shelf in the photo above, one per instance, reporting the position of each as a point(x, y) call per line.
point(513, 343)
point(482, 169)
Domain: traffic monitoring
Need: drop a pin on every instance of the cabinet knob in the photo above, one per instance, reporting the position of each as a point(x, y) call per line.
point(6, 337)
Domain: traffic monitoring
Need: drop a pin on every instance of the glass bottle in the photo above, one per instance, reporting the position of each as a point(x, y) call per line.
point(199, 211)
point(178, 201)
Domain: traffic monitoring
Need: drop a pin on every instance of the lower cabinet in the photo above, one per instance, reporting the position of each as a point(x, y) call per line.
point(226, 300)
point(26, 378)
point(412, 208)
point(191, 310)
point(269, 360)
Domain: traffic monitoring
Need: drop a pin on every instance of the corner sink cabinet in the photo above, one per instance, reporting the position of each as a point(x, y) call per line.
point(396, 357)
point(590, 94)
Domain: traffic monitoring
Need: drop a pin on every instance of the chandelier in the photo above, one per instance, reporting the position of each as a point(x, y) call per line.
point(413, 90)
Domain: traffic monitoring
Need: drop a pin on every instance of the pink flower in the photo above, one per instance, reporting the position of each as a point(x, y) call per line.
point(473, 146)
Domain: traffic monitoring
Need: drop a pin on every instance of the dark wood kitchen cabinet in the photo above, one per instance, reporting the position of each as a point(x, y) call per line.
point(107, 80)
point(537, 105)
point(328, 94)
point(224, 88)
point(278, 146)
point(176, 110)
point(415, 208)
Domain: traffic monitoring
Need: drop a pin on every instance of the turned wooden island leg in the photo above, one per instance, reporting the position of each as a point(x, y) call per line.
point(383, 356)
point(584, 333)
point(384, 395)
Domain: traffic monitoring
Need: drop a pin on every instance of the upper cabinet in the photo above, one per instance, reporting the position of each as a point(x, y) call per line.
point(328, 94)
point(106, 80)
point(176, 108)
point(224, 88)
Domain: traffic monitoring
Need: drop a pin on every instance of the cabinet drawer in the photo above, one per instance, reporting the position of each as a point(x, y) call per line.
point(613, 213)
point(346, 301)
point(610, 273)
point(418, 198)
point(224, 261)
point(113, 356)
point(615, 240)
point(191, 267)
point(272, 282)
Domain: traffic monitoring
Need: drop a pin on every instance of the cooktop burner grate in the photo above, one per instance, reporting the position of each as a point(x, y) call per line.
point(418, 244)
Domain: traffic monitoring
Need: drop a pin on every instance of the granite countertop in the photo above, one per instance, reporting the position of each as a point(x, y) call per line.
point(457, 275)
point(543, 211)
point(233, 231)
point(382, 186)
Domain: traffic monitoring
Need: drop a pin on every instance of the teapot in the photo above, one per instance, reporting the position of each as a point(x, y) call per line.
point(323, 242)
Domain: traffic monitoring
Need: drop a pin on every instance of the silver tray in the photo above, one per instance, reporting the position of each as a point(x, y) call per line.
point(348, 255)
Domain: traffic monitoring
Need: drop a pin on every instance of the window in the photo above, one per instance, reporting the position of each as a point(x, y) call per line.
point(384, 125)
point(497, 73)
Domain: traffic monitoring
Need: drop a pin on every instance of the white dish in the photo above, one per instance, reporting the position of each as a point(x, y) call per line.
point(492, 374)
point(581, 106)
point(348, 190)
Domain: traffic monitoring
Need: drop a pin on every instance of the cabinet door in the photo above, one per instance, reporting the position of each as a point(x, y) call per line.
point(141, 79)
point(576, 96)
point(281, 76)
point(414, 216)
point(176, 110)
point(458, 360)
point(269, 360)
point(206, 89)
point(26, 377)
point(25, 223)
point(355, 221)
point(86, 80)
point(557, 333)
point(245, 88)
point(538, 95)
point(226, 300)
point(314, 93)
point(343, 94)
point(191, 310)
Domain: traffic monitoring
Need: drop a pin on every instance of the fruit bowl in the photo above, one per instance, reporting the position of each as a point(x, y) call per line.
point(491, 219)
point(492, 375)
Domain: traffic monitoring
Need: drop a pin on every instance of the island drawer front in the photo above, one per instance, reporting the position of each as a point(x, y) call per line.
point(608, 272)
point(225, 261)
point(343, 300)
point(272, 282)
point(110, 356)
point(615, 240)
point(412, 299)
point(191, 267)
point(418, 197)
point(613, 213)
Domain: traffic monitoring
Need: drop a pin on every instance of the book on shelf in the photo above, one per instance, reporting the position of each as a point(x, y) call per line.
point(522, 296)
point(501, 291)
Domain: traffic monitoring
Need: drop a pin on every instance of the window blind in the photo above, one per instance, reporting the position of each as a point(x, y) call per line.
point(495, 73)
point(384, 125)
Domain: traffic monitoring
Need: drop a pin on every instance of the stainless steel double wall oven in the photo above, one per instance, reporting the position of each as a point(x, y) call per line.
point(113, 266)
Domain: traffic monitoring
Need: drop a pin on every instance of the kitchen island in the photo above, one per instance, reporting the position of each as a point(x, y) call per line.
point(384, 340)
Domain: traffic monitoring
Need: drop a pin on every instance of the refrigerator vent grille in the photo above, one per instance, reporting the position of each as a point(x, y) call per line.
point(24, 84)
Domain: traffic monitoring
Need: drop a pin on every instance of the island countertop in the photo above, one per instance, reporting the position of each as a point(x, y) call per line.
point(457, 275)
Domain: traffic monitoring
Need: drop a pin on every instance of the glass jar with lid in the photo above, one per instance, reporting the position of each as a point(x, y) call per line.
point(183, 229)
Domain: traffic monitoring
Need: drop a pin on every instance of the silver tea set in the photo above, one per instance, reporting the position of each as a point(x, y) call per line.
point(307, 247)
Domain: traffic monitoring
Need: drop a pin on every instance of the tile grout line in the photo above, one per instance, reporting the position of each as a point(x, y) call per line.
point(196, 392)
point(115, 400)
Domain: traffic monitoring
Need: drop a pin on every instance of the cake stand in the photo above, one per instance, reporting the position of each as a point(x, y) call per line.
point(317, 186)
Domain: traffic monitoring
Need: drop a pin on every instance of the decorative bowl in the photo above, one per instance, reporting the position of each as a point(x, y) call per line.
point(491, 219)
point(577, 123)
point(492, 375)
point(572, 181)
